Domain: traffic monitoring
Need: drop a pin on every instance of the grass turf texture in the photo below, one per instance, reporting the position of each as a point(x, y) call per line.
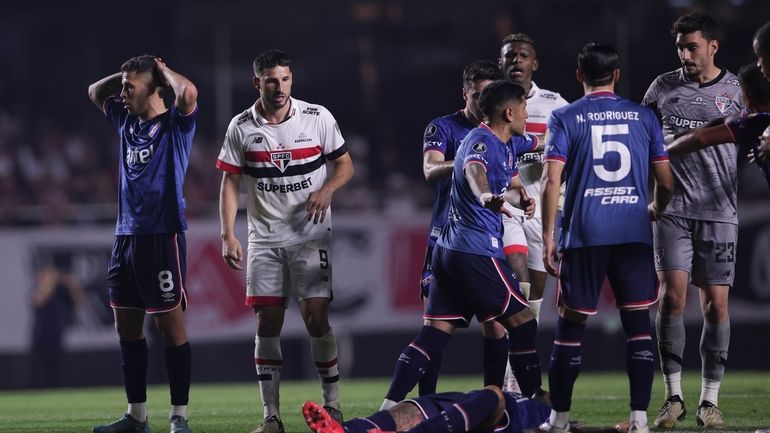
point(600, 399)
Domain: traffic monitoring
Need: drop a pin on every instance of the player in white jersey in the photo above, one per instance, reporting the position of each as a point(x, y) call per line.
point(522, 239)
point(282, 144)
point(695, 241)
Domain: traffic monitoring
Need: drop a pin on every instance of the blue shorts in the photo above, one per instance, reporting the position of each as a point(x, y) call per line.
point(630, 269)
point(466, 285)
point(427, 273)
point(147, 272)
point(433, 404)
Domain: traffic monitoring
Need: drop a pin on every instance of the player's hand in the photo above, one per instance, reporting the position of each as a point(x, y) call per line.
point(764, 145)
point(317, 204)
point(551, 257)
point(655, 214)
point(161, 66)
point(495, 203)
point(528, 204)
point(752, 157)
point(232, 252)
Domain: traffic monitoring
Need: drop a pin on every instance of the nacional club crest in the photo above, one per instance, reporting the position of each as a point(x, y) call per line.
point(723, 103)
point(280, 159)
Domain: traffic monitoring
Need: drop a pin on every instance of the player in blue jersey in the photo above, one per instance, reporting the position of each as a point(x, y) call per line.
point(488, 409)
point(605, 146)
point(744, 129)
point(147, 269)
point(441, 139)
point(470, 274)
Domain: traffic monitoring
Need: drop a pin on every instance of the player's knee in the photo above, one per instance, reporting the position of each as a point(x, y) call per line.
point(500, 409)
point(672, 301)
point(492, 329)
point(317, 325)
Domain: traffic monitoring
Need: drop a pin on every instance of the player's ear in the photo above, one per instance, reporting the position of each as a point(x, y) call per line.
point(747, 100)
point(535, 65)
point(615, 76)
point(579, 76)
point(255, 80)
point(713, 47)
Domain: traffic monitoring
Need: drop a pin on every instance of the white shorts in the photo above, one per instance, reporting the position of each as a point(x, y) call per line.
point(303, 270)
point(524, 236)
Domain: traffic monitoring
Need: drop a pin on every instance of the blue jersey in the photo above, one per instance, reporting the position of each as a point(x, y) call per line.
point(746, 130)
point(473, 228)
point(444, 135)
point(607, 144)
point(153, 161)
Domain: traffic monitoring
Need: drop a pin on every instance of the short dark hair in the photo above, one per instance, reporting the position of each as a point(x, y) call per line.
point(480, 70)
point(498, 93)
point(270, 59)
point(144, 63)
point(697, 21)
point(754, 84)
point(518, 37)
point(597, 62)
point(762, 38)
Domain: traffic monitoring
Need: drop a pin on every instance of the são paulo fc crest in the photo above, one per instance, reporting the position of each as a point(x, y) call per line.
point(723, 103)
point(280, 159)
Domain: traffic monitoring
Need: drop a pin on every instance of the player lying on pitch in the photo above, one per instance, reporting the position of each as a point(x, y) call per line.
point(485, 410)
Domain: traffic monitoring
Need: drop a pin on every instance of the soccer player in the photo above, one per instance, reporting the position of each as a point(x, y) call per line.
point(469, 277)
point(522, 241)
point(441, 139)
point(695, 240)
point(282, 144)
point(743, 130)
point(605, 146)
point(487, 409)
point(146, 272)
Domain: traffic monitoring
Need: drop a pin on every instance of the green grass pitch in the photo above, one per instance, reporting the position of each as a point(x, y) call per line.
point(600, 399)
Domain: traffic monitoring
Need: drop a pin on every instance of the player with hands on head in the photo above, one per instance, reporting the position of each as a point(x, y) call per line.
point(146, 273)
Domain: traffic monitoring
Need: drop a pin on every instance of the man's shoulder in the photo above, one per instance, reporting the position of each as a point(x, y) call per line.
point(306, 109)
point(242, 118)
point(670, 78)
point(546, 96)
point(729, 79)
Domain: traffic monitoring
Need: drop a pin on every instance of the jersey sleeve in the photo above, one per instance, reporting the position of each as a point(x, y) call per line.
point(231, 158)
point(557, 141)
point(651, 99)
point(746, 129)
point(479, 153)
point(185, 122)
point(332, 143)
point(114, 110)
point(435, 137)
point(658, 151)
point(524, 143)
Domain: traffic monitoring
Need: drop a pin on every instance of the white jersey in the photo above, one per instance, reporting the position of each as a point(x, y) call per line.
point(284, 163)
point(540, 104)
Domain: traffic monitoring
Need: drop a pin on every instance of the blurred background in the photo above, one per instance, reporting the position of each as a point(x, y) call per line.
point(384, 68)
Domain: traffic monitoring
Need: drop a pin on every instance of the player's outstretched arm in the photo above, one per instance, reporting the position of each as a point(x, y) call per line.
point(435, 167)
point(549, 201)
point(108, 86)
point(232, 252)
point(476, 174)
point(664, 188)
point(319, 200)
point(185, 92)
point(699, 138)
